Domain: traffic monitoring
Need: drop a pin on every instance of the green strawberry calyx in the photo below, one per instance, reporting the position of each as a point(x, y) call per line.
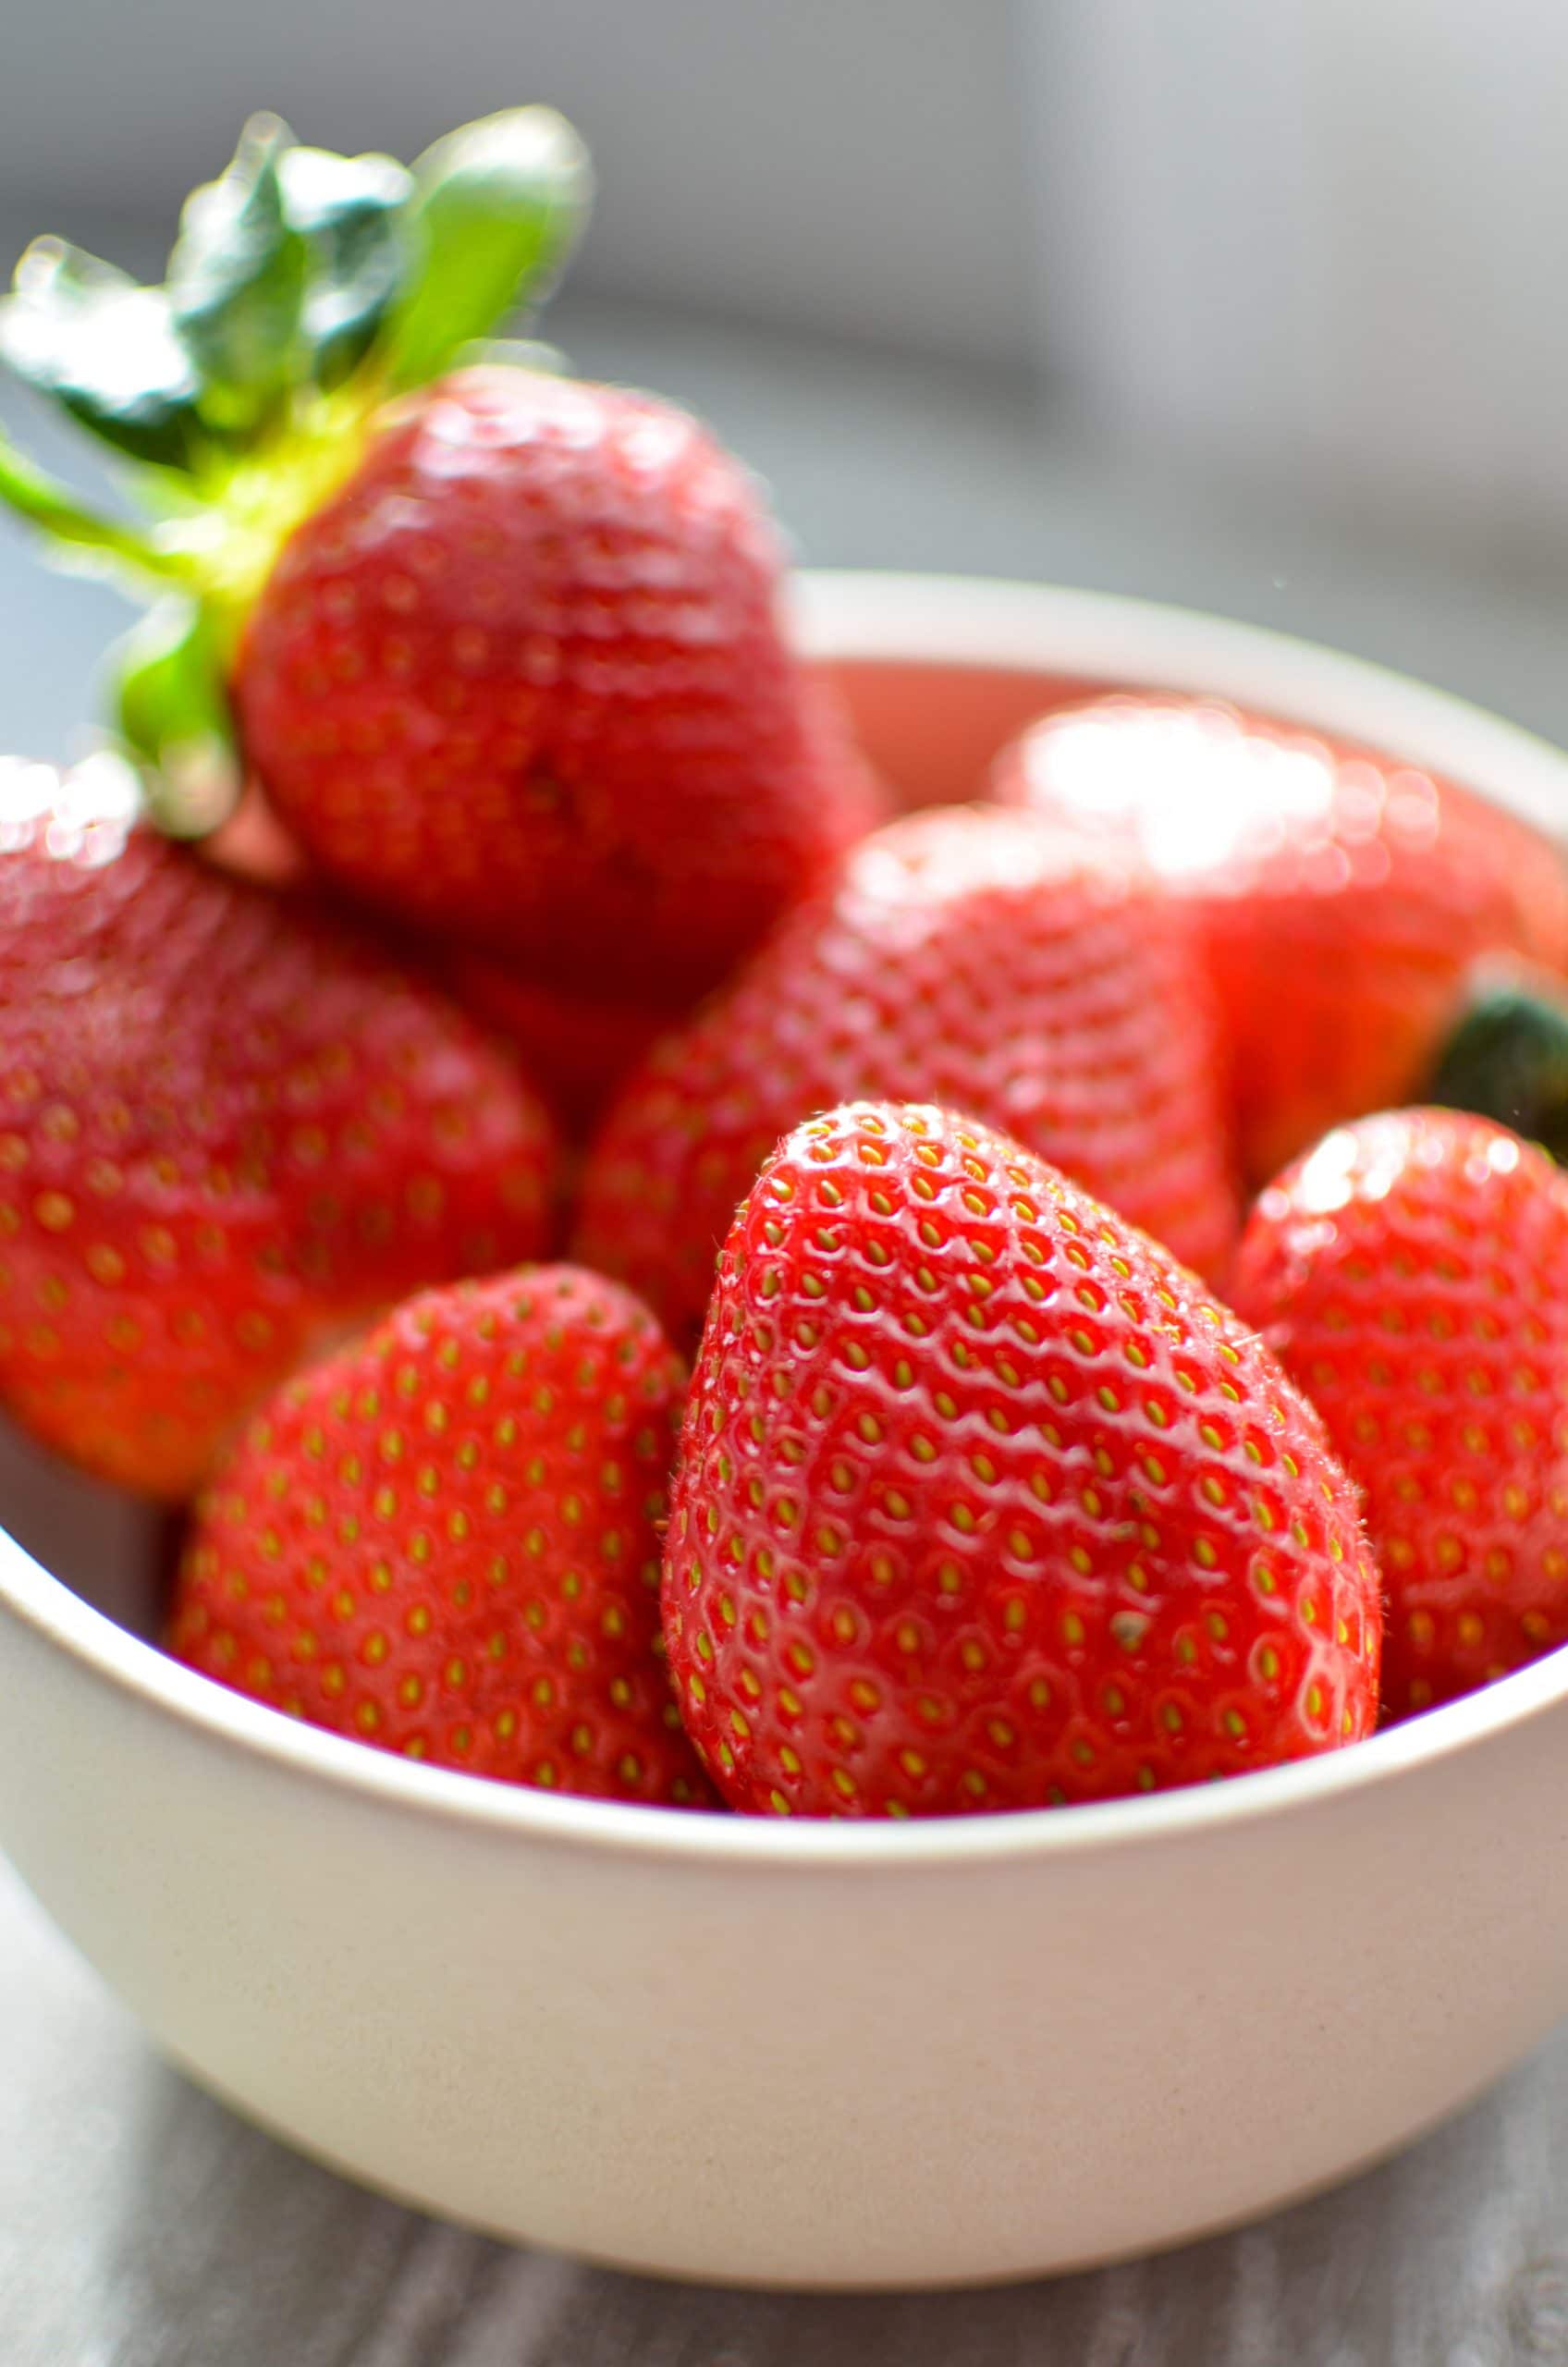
point(305, 290)
point(1506, 1055)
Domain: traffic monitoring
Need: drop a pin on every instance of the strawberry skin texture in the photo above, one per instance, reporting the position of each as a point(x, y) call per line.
point(230, 1127)
point(522, 678)
point(1342, 896)
point(1409, 1273)
point(978, 959)
point(576, 1051)
point(445, 1541)
point(982, 1503)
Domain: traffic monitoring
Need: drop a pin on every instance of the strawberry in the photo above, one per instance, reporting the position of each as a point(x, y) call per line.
point(977, 958)
point(1409, 1274)
point(445, 1541)
point(504, 650)
point(984, 1502)
point(572, 731)
point(575, 1050)
point(1342, 895)
point(228, 1127)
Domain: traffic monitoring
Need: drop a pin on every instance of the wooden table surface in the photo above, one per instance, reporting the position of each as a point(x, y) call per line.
point(142, 2225)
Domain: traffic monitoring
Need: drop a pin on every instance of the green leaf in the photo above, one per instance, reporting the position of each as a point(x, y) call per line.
point(349, 210)
point(237, 284)
point(77, 537)
point(1507, 1057)
point(498, 207)
point(81, 332)
point(173, 718)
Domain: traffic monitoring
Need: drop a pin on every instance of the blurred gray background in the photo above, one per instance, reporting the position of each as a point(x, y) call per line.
point(1261, 308)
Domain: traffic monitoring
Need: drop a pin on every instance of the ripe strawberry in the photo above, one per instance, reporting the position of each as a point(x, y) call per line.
point(1342, 895)
point(228, 1127)
point(984, 1503)
point(980, 959)
point(522, 678)
point(1409, 1274)
point(445, 1541)
point(574, 1049)
point(504, 650)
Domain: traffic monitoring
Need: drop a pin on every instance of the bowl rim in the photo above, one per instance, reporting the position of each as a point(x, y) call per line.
point(997, 625)
point(986, 623)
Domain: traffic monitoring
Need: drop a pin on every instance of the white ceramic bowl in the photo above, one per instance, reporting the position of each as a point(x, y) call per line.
point(831, 2055)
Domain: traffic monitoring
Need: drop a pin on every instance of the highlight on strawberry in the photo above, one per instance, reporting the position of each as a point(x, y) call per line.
point(1340, 895)
point(986, 1503)
point(502, 648)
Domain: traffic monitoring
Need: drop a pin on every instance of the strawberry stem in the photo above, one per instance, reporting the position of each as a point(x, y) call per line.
point(304, 289)
point(48, 505)
point(173, 718)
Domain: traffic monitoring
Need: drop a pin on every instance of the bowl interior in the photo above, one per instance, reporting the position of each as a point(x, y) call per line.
point(114, 1552)
point(938, 676)
point(931, 730)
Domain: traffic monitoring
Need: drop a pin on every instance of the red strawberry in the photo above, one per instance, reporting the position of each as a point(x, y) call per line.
point(505, 651)
point(984, 1503)
point(523, 678)
point(575, 1050)
point(445, 1541)
point(1342, 895)
point(228, 1129)
point(1410, 1274)
point(979, 959)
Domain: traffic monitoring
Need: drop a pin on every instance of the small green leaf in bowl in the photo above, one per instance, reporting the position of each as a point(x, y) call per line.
point(1507, 1056)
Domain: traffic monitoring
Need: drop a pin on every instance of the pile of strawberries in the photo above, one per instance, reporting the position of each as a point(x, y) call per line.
point(1030, 1334)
